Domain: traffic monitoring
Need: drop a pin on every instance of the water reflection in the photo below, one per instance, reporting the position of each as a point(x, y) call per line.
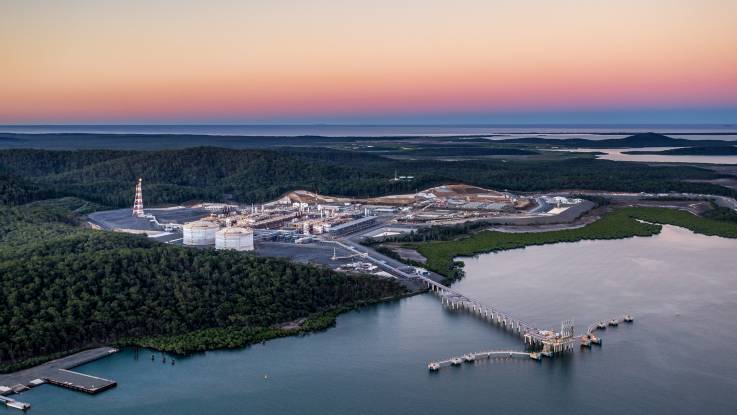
point(681, 288)
point(617, 154)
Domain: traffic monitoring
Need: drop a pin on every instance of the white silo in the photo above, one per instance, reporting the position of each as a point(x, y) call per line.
point(199, 233)
point(239, 239)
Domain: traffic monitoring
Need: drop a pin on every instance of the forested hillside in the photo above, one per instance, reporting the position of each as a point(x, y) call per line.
point(208, 173)
point(66, 288)
point(14, 190)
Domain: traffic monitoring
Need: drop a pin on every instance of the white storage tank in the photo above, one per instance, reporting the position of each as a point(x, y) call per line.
point(199, 233)
point(239, 239)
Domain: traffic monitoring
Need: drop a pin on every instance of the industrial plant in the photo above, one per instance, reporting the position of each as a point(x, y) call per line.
point(314, 228)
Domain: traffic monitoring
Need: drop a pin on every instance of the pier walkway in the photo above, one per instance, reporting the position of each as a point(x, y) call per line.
point(456, 300)
point(473, 357)
point(549, 342)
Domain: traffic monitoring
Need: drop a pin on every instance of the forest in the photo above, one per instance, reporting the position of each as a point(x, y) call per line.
point(107, 177)
point(66, 288)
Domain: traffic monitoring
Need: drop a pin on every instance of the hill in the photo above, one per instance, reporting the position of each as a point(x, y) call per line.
point(252, 176)
point(66, 288)
point(172, 176)
point(634, 141)
point(692, 151)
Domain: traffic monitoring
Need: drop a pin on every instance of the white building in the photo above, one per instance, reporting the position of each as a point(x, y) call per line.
point(199, 233)
point(238, 239)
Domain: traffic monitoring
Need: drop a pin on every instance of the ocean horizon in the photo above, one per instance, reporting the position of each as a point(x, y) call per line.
point(374, 130)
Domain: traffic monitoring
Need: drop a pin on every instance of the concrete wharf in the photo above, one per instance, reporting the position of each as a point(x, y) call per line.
point(56, 372)
point(79, 381)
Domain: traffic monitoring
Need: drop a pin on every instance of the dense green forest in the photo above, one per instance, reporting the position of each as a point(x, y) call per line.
point(722, 214)
point(207, 173)
point(66, 288)
point(452, 151)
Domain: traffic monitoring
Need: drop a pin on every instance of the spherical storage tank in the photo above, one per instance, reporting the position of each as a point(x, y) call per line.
point(200, 232)
point(239, 239)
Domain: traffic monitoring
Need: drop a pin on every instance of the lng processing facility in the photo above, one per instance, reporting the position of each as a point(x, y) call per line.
point(307, 227)
point(300, 215)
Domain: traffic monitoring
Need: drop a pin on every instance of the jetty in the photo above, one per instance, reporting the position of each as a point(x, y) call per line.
point(57, 372)
point(79, 381)
point(479, 356)
point(549, 341)
point(12, 403)
point(544, 343)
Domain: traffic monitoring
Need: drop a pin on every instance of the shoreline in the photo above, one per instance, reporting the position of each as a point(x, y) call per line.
point(311, 324)
point(621, 223)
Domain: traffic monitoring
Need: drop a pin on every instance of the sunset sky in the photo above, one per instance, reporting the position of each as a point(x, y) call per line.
point(368, 61)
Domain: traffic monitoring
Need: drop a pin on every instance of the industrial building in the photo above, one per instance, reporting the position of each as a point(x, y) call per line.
point(199, 233)
point(353, 226)
point(305, 218)
point(235, 238)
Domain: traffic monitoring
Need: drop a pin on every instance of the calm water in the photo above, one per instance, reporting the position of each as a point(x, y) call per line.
point(328, 130)
point(677, 358)
point(617, 154)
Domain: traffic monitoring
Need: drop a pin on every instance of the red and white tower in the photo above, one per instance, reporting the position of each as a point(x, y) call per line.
point(138, 200)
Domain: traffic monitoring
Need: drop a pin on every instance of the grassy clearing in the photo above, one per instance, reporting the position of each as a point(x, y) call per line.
point(621, 223)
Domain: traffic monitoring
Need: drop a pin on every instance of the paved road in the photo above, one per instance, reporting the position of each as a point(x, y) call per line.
point(386, 263)
point(721, 201)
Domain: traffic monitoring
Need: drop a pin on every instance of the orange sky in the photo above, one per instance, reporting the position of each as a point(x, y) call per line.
point(80, 61)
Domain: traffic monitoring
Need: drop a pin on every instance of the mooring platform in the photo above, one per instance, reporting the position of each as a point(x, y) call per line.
point(56, 372)
point(79, 381)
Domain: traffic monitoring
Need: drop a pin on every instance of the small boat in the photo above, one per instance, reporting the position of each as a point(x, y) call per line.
point(614, 322)
point(456, 361)
point(152, 358)
point(535, 356)
point(172, 362)
point(595, 340)
point(266, 377)
point(601, 325)
point(163, 359)
point(433, 367)
point(469, 357)
point(18, 405)
point(628, 318)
